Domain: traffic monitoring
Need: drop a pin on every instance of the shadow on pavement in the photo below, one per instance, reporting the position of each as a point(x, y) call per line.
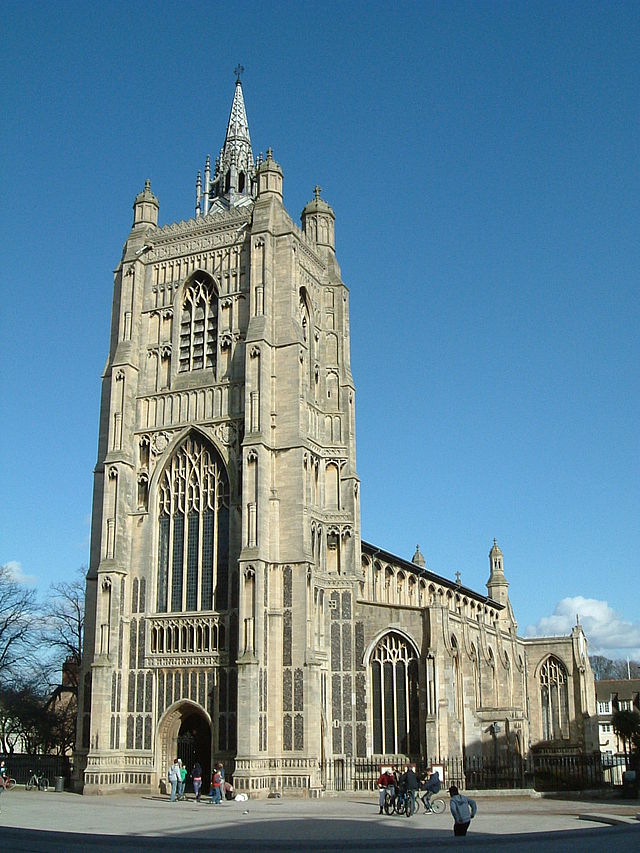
point(319, 835)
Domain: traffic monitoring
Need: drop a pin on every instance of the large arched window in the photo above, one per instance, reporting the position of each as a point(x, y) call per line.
point(198, 324)
point(554, 699)
point(394, 693)
point(193, 538)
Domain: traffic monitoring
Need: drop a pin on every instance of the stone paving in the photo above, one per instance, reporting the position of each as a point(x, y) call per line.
point(36, 821)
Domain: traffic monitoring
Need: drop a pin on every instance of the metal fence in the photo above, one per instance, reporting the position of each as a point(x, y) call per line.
point(543, 772)
point(21, 766)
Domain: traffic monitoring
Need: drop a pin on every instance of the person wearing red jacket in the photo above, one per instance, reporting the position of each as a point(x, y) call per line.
point(386, 783)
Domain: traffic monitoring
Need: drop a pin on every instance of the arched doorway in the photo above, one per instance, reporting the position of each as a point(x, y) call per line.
point(184, 732)
point(194, 744)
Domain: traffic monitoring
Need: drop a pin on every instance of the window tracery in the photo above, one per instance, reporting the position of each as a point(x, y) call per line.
point(554, 699)
point(198, 325)
point(193, 525)
point(394, 692)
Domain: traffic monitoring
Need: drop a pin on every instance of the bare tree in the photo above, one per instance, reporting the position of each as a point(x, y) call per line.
point(62, 628)
point(18, 608)
point(604, 668)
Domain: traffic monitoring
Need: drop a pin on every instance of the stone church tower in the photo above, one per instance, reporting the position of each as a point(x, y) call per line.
point(226, 493)
point(232, 611)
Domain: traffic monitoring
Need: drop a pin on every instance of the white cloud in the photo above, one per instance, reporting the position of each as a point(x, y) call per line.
point(16, 573)
point(607, 632)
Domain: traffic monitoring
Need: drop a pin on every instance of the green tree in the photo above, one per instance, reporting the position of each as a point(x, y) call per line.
point(626, 725)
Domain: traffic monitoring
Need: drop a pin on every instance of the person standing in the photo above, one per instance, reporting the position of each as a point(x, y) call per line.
point(196, 775)
point(174, 776)
point(182, 780)
point(463, 810)
point(216, 784)
point(3, 776)
point(413, 785)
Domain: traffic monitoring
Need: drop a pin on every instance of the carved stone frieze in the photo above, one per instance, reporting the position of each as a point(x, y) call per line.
point(158, 661)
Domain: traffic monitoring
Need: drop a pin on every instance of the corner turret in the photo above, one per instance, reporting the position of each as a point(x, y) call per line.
point(498, 586)
point(145, 207)
point(318, 221)
point(269, 177)
point(418, 558)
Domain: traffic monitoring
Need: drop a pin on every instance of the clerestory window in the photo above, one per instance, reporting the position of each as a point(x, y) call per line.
point(193, 534)
point(199, 325)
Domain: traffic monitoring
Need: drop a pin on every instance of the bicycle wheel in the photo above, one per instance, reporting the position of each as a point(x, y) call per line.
point(43, 783)
point(438, 806)
point(388, 805)
point(408, 808)
point(29, 785)
point(10, 783)
point(398, 805)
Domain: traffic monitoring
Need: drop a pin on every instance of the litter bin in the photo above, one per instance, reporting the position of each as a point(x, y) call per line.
point(59, 784)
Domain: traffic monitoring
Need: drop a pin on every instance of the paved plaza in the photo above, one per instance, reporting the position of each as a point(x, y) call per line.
point(41, 822)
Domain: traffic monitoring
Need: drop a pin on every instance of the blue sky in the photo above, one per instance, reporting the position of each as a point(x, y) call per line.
point(482, 160)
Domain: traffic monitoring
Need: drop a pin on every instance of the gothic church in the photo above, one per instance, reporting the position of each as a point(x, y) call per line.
point(232, 606)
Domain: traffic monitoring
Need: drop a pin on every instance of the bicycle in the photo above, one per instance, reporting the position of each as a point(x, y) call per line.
point(38, 781)
point(404, 803)
point(9, 783)
point(389, 801)
point(434, 806)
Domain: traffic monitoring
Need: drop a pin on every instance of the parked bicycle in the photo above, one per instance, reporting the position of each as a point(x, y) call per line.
point(37, 780)
point(9, 783)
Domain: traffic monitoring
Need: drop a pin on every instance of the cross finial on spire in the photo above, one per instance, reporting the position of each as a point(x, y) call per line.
point(316, 191)
point(238, 71)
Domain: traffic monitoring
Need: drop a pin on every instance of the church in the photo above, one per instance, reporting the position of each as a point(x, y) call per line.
point(233, 612)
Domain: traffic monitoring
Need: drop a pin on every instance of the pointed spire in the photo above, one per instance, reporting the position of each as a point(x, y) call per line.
point(234, 169)
point(237, 141)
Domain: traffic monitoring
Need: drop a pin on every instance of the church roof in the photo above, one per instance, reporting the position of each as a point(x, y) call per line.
point(374, 552)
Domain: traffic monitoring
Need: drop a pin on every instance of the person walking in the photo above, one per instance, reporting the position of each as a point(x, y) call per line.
point(463, 810)
point(196, 775)
point(174, 776)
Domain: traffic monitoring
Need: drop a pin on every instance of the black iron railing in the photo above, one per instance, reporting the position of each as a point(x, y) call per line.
point(475, 772)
